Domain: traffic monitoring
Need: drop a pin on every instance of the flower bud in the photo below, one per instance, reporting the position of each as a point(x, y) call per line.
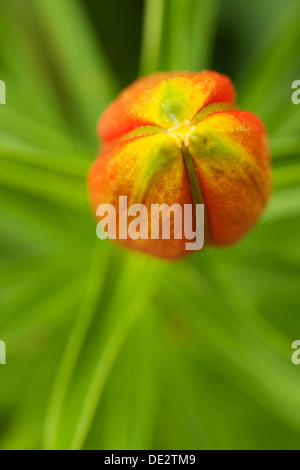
point(178, 139)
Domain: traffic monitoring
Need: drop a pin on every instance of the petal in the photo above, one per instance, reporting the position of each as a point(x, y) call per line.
point(164, 100)
point(148, 170)
point(231, 156)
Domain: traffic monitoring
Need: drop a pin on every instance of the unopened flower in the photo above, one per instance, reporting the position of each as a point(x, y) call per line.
point(178, 138)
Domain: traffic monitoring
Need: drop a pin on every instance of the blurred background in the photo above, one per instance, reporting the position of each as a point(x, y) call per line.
point(107, 349)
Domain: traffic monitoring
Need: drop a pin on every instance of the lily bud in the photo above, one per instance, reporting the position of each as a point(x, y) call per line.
point(178, 138)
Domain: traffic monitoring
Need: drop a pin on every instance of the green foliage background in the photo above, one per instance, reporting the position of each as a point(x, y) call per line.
point(108, 349)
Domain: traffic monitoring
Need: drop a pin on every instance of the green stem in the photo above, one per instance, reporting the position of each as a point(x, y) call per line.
point(74, 347)
point(202, 35)
point(152, 36)
point(179, 35)
point(113, 343)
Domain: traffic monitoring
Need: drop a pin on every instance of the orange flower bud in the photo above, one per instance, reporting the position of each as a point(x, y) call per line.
point(177, 138)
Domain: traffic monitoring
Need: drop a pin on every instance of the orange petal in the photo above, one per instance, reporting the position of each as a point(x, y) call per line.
point(231, 155)
point(148, 170)
point(164, 100)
